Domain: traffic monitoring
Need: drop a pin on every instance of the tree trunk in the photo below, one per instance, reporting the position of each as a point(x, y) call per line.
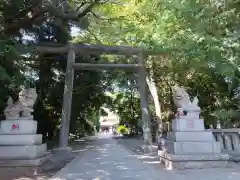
point(153, 90)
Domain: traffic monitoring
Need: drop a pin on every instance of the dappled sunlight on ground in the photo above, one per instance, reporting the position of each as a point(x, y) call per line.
point(48, 169)
point(21, 173)
point(28, 178)
point(105, 159)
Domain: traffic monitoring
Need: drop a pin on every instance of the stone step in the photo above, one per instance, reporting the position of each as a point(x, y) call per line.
point(149, 149)
point(25, 162)
point(15, 140)
point(198, 161)
point(150, 158)
point(234, 156)
point(22, 152)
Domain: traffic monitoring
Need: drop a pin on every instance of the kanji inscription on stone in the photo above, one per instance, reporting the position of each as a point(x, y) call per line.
point(190, 124)
point(15, 127)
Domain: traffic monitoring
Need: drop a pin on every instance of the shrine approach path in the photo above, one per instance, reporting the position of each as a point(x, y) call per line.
point(105, 159)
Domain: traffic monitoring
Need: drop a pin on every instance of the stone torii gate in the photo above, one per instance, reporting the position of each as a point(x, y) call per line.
point(86, 49)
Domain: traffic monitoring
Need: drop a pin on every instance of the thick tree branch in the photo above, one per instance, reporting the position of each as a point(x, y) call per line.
point(95, 37)
point(39, 12)
point(106, 19)
point(24, 23)
point(71, 14)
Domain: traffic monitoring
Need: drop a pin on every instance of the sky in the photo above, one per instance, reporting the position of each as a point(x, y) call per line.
point(75, 31)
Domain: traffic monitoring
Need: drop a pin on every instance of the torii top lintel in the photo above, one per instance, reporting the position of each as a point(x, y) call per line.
point(93, 49)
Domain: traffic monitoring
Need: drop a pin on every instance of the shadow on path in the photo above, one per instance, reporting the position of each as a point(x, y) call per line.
point(105, 159)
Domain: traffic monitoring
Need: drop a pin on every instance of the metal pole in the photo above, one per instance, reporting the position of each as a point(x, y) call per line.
point(67, 99)
point(146, 122)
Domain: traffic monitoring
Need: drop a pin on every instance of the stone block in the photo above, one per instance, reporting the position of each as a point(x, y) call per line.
point(25, 162)
point(190, 136)
point(18, 127)
point(22, 139)
point(182, 148)
point(182, 162)
point(149, 149)
point(161, 154)
point(22, 152)
point(187, 124)
point(198, 157)
point(182, 165)
point(217, 147)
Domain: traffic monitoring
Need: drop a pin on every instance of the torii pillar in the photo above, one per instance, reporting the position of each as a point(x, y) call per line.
point(145, 117)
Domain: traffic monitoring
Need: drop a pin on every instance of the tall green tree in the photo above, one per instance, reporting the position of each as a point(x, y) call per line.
point(48, 23)
point(198, 41)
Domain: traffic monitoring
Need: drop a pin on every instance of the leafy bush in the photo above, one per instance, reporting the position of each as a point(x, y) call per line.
point(122, 130)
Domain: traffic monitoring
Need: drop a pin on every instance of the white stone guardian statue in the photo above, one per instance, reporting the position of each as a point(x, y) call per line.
point(181, 98)
point(19, 143)
point(183, 103)
point(23, 107)
point(184, 146)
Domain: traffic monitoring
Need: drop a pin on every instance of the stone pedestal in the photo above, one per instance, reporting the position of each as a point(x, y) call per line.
point(22, 126)
point(20, 145)
point(190, 146)
point(149, 149)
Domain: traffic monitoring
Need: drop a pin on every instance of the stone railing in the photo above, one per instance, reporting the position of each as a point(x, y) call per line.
point(229, 140)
